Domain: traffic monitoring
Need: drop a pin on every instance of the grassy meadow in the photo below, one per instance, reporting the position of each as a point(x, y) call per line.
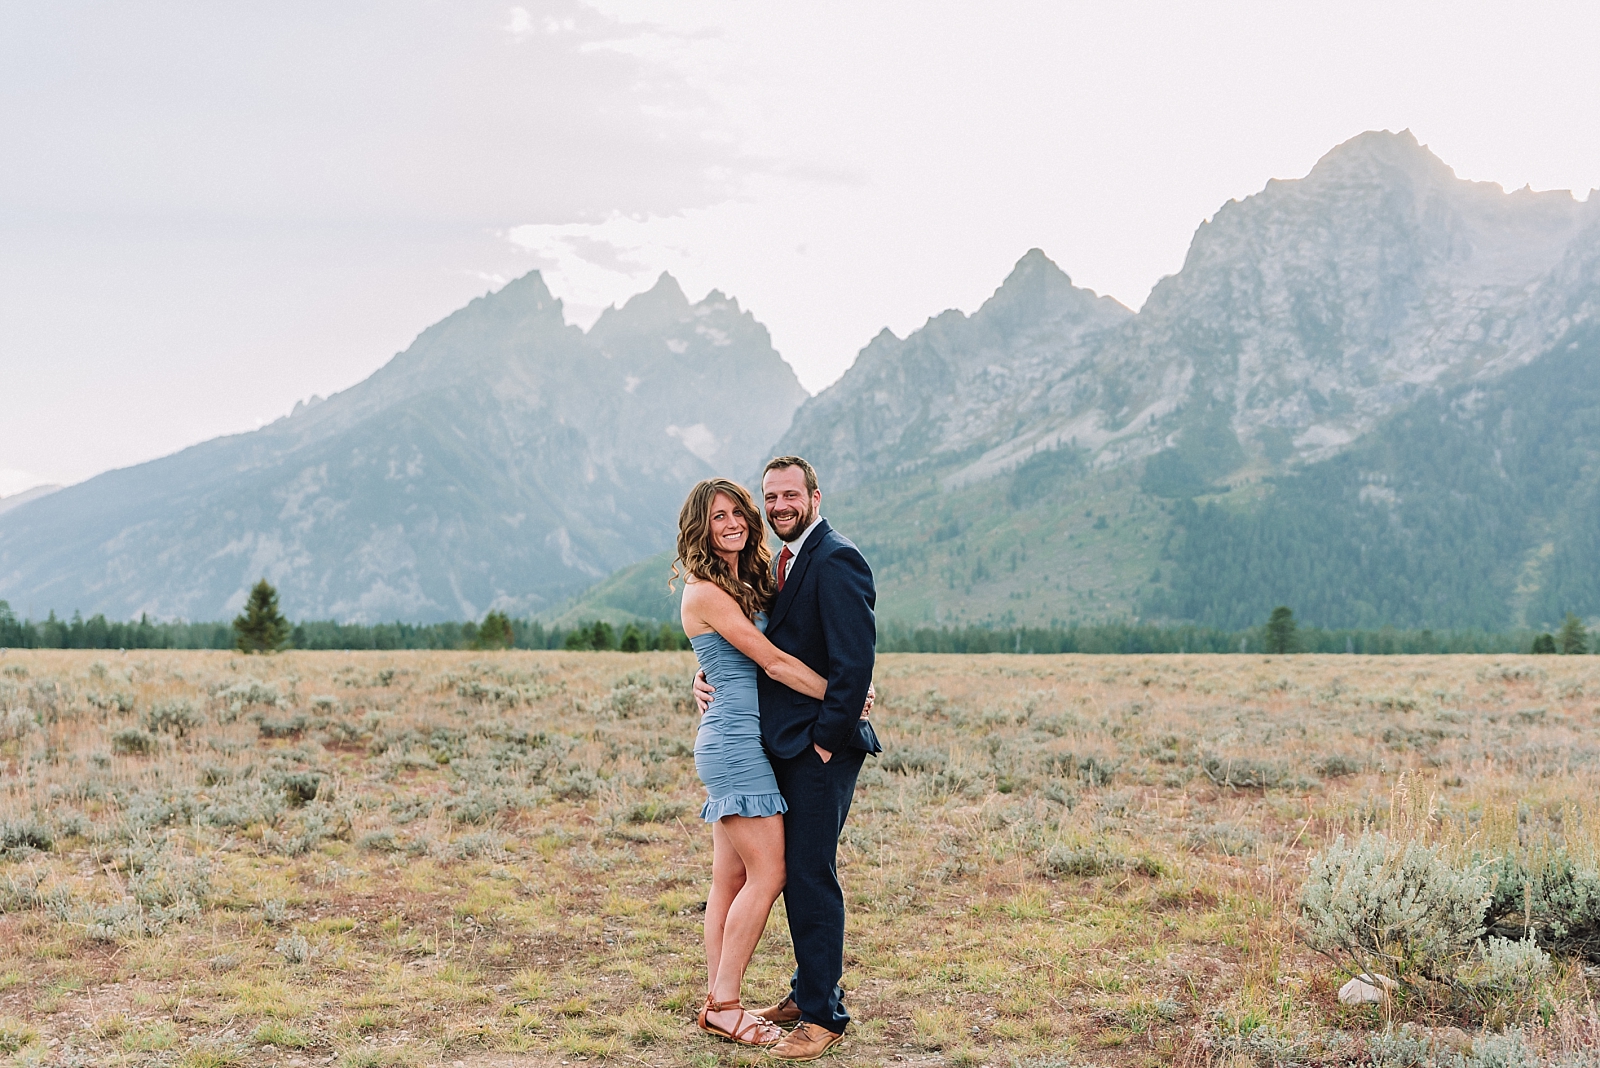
point(425, 858)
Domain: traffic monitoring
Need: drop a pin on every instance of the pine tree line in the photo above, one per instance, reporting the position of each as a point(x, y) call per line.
point(97, 632)
point(262, 628)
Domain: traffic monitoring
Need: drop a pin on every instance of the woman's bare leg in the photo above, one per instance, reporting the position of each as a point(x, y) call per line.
point(727, 879)
point(758, 842)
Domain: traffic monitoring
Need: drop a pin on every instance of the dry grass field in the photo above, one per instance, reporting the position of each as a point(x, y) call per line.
point(494, 859)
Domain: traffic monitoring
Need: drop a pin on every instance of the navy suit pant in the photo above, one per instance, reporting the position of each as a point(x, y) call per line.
point(819, 800)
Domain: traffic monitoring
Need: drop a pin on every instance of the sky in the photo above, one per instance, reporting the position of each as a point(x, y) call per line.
point(209, 211)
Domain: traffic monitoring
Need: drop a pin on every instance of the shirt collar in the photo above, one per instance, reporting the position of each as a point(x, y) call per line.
point(794, 546)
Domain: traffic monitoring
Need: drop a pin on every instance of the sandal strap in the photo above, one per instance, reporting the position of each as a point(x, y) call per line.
point(754, 1026)
point(749, 1023)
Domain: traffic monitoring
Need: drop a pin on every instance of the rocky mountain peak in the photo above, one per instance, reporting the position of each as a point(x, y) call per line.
point(1380, 155)
point(665, 289)
point(1303, 315)
point(656, 308)
point(504, 459)
point(718, 300)
point(1034, 279)
point(526, 299)
point(1035, 264)
point(1379, 224)
point(1037, 288)
point(523, 306)
point(957, 384)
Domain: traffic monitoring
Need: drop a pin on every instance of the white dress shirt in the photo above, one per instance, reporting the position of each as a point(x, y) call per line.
point(796, 545)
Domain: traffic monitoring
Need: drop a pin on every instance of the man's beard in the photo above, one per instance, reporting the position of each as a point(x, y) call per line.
point(805, 517)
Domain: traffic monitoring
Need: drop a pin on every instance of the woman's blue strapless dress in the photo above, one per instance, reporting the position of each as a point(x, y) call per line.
point(727, 751)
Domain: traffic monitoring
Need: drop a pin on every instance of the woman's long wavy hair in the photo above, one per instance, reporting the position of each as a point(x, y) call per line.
point(753, 587)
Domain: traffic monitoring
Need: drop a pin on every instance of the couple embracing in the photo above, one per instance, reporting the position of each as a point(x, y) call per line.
point(786, 653)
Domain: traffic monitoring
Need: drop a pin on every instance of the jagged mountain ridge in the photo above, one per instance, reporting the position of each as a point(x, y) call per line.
point(957, 383)
point(1012, 465)
point(505, 459)
point(1302, 316)
point(1306, 319)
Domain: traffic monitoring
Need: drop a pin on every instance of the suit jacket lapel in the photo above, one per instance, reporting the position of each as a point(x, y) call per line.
point(797, 571)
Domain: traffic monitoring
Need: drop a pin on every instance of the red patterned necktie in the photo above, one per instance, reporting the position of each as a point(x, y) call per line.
point(783, 566)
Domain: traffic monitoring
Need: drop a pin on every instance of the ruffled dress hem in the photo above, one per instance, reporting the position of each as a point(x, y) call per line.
point(744, 805)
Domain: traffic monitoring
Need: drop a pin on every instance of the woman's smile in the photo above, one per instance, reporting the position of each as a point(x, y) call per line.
point(729, 528)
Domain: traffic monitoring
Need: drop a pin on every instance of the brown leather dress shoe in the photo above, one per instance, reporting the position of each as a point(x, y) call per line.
point(805, 1043)
point(784, 1012)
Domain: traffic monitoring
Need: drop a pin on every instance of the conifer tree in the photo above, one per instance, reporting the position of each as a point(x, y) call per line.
point(1279, 636)
point(632, 640)
point(1574, 639)
point(261, 628)
point(667, 639)
point(494, 632)
point(596, 635)
point(1544, 643)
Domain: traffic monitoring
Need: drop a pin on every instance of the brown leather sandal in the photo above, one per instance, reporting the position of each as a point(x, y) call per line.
point(742, 1035)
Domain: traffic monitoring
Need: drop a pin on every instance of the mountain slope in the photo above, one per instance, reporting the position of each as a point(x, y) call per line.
point(1477, 507)
point(958, 383)
point(16, 500)
point(1021, 467)
point(505, 459)
point(1365, 394)
point(1315, 308)
point(637, 592)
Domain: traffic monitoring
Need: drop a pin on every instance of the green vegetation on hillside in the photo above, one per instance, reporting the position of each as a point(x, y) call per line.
point(1206, 449)
point(637, 593)
point(1049, 544)
point(1476, 508)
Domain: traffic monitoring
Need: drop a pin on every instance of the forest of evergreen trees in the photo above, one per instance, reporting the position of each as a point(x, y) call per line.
point(99, 633)
point(1145, 638)
point(1427, 522)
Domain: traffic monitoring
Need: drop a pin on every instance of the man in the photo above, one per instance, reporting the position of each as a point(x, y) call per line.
point(824, 617)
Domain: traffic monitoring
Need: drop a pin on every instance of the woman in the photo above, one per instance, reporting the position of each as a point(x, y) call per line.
point(728, 587)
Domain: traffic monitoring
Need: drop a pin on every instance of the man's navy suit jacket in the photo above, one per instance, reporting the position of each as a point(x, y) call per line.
point(823, 617)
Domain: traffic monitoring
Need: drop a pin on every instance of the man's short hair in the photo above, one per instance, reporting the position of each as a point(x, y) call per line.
point(793, 461)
